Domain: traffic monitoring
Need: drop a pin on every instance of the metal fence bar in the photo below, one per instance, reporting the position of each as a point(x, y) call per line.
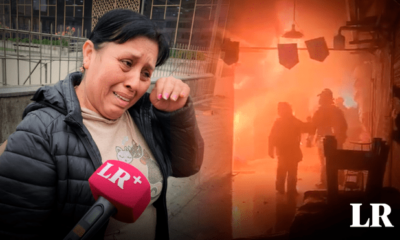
point(44, 34)
point(182, 60)
point(30, 44)
point(198, 58)
point(177, 62)
point(51, 51)
point(40, 46)
point(68, 45)
point(76, 50)
point(199, 63)
point(45, 72)
point(30, 73)
point(59, 64)
point(186, 59)
point(174, 61)
point(4, 61)
point(175, 66)
point(33, 58)
point(170, 59)
point(17, 51)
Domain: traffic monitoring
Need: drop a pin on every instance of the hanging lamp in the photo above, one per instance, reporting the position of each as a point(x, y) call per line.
point(293, 33)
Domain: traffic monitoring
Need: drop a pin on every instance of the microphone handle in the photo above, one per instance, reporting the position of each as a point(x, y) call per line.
point(93, 220)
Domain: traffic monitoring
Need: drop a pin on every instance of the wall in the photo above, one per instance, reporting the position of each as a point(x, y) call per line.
point(393, 178)
point(100, 7)
point(385, 106)
point(375, 75)
point(11, 110)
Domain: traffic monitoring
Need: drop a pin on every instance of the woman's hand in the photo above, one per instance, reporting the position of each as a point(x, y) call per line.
point(169, 94)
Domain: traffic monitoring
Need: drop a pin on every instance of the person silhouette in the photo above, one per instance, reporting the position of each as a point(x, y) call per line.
point(284, 139)
point(328, 119)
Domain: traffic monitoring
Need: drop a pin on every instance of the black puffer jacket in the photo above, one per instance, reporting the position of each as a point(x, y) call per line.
point(45, 168)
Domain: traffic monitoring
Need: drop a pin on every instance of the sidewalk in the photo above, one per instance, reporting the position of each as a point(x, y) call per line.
point(200, 207)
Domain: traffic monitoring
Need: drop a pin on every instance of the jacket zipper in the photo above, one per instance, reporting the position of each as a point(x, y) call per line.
point(81, 133)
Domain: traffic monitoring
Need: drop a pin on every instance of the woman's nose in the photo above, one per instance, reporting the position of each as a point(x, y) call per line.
point(132, 81)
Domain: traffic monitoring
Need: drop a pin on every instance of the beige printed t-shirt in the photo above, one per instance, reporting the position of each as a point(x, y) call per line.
point(120, 139)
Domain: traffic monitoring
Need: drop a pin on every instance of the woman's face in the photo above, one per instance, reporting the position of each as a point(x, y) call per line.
point(117, 75)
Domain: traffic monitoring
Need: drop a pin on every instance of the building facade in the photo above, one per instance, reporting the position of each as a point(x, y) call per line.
point(192, 23)
point(189, 23)
point(52, 16)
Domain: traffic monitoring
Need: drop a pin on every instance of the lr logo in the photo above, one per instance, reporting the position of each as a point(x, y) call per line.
point(375, 215)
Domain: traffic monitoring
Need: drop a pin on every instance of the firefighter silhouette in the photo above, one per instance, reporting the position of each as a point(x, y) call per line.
point(328, 119)
point(284, 139)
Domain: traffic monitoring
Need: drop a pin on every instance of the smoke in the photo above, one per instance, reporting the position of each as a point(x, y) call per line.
point(261, 82)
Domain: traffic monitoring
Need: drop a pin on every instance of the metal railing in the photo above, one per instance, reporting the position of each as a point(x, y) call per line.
point(30, 58)
point(36, 58)
point(184, 61)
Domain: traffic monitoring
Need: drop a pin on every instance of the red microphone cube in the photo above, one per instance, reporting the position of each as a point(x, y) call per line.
point(123, 185)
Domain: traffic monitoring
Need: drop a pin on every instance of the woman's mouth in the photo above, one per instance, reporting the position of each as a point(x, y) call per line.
point(120, 97)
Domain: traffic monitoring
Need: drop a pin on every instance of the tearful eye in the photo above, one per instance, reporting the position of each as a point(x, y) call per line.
point(147, 74)
point(127, 63)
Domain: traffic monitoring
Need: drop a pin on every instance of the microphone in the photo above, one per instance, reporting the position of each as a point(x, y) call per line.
point(120, 190)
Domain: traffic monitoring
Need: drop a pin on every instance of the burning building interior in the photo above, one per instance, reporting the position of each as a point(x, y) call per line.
point(299, 53)
point(297, 101)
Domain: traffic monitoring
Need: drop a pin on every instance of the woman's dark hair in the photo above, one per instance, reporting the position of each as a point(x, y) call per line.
point(120, 25)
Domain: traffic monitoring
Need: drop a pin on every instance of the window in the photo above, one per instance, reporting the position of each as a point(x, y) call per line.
point(24, 14)
point(165, 13)
point(203, 25)
point(29, 14)
point(5, 8)
point(187, 22)
point(48, 15)
point(74, 18)
point(56, 16)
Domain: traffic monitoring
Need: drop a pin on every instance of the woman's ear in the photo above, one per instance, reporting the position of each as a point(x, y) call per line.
point(87, 50)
